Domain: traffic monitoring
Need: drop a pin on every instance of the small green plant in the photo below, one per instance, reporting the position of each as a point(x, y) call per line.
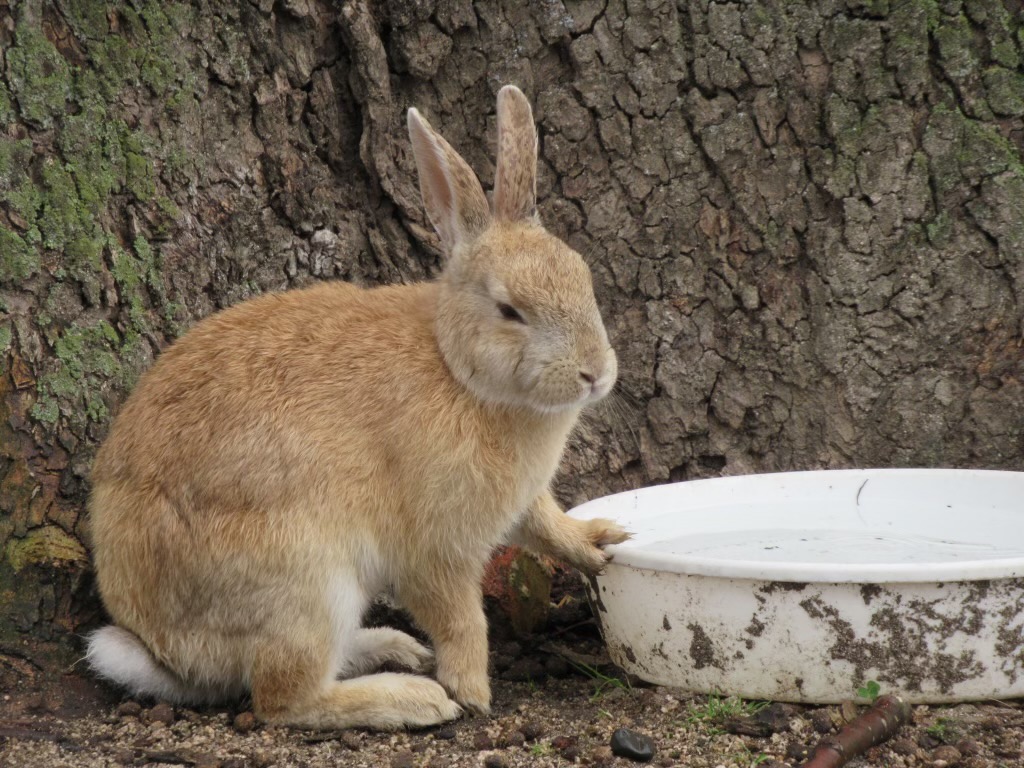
point(749, 759)
point(870, 691)
point(716, 710)
point(540, 749)
point(602, 682)
point(944, 729)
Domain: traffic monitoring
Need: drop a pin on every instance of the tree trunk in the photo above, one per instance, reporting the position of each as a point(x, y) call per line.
point(805, 219)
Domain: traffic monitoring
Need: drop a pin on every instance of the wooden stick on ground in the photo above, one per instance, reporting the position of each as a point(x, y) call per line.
point(876, 725)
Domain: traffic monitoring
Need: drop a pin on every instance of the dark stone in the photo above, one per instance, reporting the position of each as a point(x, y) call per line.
point(903, 747)
point(162, 713)
point(244, 722)
point(482, 742)
point(633, 745)
point(796, 750)
point(447, 733)
point(351, 740)
point(968, 747)
point(562, 743)
point(951, 755)
point(775, 717)
point(129, 709)
point(928, 741)
point(403, 759)
point(821, 720)
point(533, 731)
point(516, 739)
point(495, 761)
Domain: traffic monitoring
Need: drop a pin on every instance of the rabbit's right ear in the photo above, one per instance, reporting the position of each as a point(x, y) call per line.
point(452, 195)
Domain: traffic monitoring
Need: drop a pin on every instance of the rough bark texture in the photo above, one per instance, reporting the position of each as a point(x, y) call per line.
point(805, 219)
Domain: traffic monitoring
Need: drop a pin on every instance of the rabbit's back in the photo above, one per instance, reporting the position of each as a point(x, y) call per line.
point(249, 399)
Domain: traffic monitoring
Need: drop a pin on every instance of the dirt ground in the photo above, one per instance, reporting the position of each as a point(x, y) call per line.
point(557, 701)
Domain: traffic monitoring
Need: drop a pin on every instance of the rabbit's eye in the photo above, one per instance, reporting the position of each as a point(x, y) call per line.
point(510, 313)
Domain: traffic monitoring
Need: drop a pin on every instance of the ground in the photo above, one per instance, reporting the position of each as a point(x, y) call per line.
point(557, 700)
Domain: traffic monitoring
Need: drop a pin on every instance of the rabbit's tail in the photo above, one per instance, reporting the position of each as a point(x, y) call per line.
point(121, 657)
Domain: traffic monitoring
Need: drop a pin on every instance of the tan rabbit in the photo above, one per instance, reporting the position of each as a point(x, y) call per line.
point(291, 457)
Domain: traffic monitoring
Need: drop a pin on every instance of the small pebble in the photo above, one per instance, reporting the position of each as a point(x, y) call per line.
point(129, 709)
point(776, 717)
point(533, 731)
point(968, 747)
point(234, 762)
point(796, 751)
point(601, 755)
point(990, 723)
point(562, 743)
point(949, 755)
point(403, 759)
point(928, 741)
point(494, 760)
point(903, 747)
point(516, 739)
point(445, 734)
point(482, 742)
point(635, 746)
point(351, 741)
point(571, 753)
point(821, 720)
point(244, 722)
point(162, 713)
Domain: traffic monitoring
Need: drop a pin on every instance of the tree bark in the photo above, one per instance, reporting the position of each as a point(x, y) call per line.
point(805, 219)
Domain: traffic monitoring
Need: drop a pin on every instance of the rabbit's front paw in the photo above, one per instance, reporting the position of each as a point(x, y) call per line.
point(596, 534)
point(473, 693)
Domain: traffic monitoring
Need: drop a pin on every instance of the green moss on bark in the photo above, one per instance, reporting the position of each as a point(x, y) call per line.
point(39, 75)
point(85, 359)
point(18, 260)
point(67, 206)
point(956, 46)
point(1005, 91)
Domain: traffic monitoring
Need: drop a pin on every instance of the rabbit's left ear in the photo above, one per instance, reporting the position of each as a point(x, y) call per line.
point(455, 201)
point(515, 179)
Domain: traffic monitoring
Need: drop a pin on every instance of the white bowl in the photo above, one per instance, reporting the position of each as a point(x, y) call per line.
point(802, 586)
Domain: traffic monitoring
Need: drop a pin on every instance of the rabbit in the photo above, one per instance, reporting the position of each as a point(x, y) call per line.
point(293, 456)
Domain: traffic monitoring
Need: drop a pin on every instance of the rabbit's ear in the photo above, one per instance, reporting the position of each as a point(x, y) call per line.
point(452, 194)
point(515, 180)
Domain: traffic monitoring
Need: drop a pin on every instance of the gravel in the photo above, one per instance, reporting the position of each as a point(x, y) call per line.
point(556, 721)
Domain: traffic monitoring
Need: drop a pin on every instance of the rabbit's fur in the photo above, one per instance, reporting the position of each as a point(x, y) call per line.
point(291, 457)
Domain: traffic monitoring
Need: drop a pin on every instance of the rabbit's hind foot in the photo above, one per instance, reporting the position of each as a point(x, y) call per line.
point(384, 702)
point(374, 646)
